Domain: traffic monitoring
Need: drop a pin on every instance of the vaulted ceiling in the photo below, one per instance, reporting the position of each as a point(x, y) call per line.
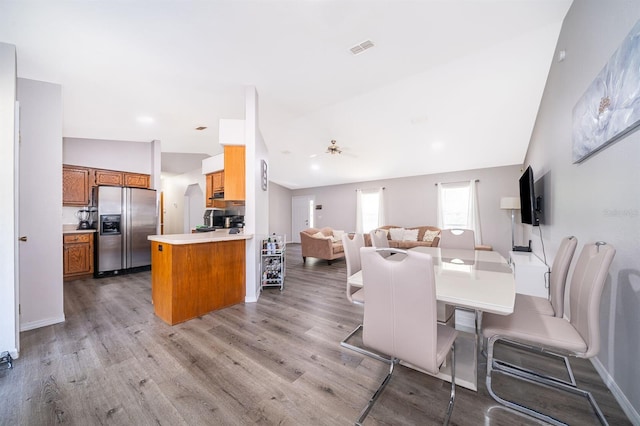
point(448, 84)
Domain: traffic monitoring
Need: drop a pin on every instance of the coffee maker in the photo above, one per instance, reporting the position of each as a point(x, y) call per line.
point(84, 217)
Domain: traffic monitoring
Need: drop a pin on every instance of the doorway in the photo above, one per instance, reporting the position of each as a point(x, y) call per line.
point(301, 215)
point(193, 207)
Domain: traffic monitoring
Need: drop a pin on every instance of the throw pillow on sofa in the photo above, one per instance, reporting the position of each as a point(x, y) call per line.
point(410, 235)
point(321, 235)
point(337, 235)
point(397, 233)
point(430, 235)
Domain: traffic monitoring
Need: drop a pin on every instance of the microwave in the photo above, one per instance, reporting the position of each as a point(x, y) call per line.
point(218, 195)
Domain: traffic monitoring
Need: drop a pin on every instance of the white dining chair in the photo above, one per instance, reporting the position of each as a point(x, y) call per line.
point(400, 317)
point(457, 239)
point(579, 336)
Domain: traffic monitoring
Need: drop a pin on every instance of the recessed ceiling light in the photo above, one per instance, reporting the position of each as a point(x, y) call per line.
point(201, 127)
point(145, 119)
point(315, 167)
point(313, 155)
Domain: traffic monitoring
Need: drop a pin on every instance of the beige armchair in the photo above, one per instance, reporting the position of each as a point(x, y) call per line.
point(319, 243)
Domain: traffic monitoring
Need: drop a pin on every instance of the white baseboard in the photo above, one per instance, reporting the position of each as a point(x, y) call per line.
point(628, 409)
point(41, 323)
point(13, 352)
point(251, 299)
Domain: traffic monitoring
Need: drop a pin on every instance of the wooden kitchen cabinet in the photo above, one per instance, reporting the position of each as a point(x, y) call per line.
point(75, 186)
point(109, 177)
point(214, 183)
point(234, 170)
point(136, 180)
point(218, 181)
point(77, 255)
point(191, 280)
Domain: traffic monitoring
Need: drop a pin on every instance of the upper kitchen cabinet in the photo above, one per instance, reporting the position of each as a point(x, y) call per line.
point(75, 186)
point(136, 180)
point(234, 170)
point(215, 183)
point(117, 178)
point(109, 177)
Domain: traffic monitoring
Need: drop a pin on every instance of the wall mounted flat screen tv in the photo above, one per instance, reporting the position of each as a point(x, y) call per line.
point(528, 199)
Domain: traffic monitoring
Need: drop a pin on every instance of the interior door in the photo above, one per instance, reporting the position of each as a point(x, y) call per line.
point(301, 215)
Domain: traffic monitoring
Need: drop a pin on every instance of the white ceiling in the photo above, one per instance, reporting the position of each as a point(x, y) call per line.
point(450, 84)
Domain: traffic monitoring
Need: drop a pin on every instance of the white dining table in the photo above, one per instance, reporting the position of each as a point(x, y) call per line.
point(476, 280)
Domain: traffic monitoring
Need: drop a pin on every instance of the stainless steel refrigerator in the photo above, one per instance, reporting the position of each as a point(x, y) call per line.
point(126, 216)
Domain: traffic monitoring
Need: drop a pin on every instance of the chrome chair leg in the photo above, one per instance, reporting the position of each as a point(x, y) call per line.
point(535, 378)
point(374, 398)
point(544, 352)
point(345, 344)
point(452, 395)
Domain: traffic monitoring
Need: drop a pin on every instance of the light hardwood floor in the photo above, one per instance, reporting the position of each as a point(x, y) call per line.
point(277, 361)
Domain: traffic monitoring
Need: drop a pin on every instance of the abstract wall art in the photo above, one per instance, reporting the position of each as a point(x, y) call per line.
point(610, 108)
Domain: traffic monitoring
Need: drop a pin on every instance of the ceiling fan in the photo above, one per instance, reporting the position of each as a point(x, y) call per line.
point(333, 148)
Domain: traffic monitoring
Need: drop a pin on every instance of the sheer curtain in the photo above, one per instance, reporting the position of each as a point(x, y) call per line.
point(369, 209)
point(440, 201)
point(473, 218)
point(359, 211)
point(457, 214)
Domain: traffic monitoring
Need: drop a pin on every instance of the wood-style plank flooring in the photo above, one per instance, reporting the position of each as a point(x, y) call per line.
point(277, 361)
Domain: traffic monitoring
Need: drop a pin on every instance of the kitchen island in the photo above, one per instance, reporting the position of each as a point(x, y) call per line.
point(194, 274)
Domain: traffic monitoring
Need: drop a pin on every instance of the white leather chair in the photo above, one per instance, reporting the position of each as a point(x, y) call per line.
point(579, 336)
point(554, 305)
point(400, 317)
point(355, 293)
point(379, 240)
point(457, 239)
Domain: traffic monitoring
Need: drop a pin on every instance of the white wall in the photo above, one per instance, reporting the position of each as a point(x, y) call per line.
point(174, 189)
point(280, 210)
point(127, 156)
point(411, 201)
point(40, 204)
point(598, 199)
point(8, 232)
point(257, 205)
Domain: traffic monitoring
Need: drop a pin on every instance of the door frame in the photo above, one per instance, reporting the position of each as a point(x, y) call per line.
point(309, 200)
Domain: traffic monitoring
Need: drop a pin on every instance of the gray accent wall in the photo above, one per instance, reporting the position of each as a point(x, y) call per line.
point(598, 199)
point(280, 210)
point(411, 201)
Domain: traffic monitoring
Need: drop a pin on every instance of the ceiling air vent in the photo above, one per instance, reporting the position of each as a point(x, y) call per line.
point(359, 48)
point(201, 127)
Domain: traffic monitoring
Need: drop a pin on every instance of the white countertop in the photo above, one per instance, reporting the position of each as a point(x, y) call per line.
point(73, 229)
point(199, 237)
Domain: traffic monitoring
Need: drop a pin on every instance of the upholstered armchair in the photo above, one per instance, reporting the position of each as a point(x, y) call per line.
point(321, 244)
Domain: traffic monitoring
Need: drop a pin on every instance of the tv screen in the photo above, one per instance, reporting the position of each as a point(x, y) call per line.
point(527, 198)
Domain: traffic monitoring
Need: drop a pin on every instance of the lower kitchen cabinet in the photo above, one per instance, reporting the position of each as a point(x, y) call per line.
point(77, 255)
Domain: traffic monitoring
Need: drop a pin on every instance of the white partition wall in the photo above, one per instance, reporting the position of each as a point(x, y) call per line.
point(40, 204)
point(8, 233)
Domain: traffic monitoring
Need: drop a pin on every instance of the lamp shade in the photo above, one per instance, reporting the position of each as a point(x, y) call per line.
point(510, 203)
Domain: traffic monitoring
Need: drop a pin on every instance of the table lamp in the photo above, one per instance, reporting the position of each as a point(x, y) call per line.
point(513, 204)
